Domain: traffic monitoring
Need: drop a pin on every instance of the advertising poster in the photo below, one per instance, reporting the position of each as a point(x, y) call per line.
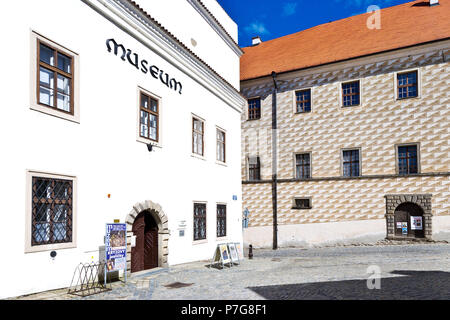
point(239, 251)
point(404, 227)
point(416, 223)
point(116, 246)
point(233, 252)
point(224, 253)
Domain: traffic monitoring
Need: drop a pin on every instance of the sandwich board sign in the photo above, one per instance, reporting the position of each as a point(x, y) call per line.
point(116, 248)
point(221, 255)
point(239, 251)
point(233, 253)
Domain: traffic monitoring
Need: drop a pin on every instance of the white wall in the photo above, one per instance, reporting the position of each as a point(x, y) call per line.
point(180, 18)
point(102, 151)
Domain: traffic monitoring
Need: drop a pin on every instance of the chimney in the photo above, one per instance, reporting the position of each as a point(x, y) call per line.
point(256, 40)
point(434, 3)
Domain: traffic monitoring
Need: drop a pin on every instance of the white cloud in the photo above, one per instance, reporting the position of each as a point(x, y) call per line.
point(289, 8)
point(256, 28)
point(365, 3)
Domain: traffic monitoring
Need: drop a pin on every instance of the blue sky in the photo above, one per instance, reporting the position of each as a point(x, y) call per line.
point(276, 18)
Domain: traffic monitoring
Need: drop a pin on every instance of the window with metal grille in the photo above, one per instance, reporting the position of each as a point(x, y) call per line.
point(407, 85)
point(55, 78)
point(254, 168)
point(52, 211)
point(303, 166)
point(303, 101)
point(302, 203)
point(407, 159)
point(149, 117)
point(199, 221)
point(350, 94)
point(220, 145)
point(254, 108)
point(198, 131)
point(221, 220)
point(350, 163)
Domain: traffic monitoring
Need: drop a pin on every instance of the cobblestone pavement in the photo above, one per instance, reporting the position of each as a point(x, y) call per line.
point(414, 271)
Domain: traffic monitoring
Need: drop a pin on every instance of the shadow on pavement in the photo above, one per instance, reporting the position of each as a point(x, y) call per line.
point(413, 285)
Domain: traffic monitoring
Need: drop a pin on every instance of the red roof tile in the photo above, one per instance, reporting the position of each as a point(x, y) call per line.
point(402, 26)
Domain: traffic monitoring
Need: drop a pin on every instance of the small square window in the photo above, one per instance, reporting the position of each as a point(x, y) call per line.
point(407, 85)
point(302, 203)
point(303, 101)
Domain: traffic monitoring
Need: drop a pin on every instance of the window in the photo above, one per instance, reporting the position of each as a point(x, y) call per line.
point(351, 163)
point(55, 88)
point(254, 109)
point(303, 101)
point(303, 166)
point(198, 130)
point(221, 220)
point(254, 168)
point(407, 85)
point(302, 203)
point(350, 94)
point(220, 145)
point(199, 221)
point(408, 159)
point(149, 117)
point(51, 211)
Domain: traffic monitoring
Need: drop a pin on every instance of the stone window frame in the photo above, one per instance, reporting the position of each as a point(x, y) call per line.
point(341, 93)
point(36, 37)
point(294, 100)
point(29, 212)
point(417, 144)
point(360, 161)
point(310, 164)
point(248, 168)
point(139, 138)
point(294, 205)
point(419, 84)
point(247, 113)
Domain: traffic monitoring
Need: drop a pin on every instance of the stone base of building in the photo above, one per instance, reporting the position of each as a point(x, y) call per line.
point(334, 233)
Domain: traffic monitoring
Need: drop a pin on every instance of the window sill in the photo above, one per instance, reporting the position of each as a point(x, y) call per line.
point(225, 238)
point(253, 119)
point(55, 113)
point(224, 164)
point(407, 98)
point(298, 208)
point(196, 242)
point(148, 141)
point(50, 247)
point(194, 155)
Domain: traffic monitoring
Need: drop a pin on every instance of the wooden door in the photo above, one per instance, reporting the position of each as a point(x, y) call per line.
point(144, 255)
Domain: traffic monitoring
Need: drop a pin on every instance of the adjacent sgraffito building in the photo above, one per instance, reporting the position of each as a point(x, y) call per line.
point(346, 135)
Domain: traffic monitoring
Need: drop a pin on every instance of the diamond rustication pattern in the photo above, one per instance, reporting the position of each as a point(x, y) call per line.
point(51, 210)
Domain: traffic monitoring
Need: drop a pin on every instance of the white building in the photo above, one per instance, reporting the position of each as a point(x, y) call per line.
point(163, 74)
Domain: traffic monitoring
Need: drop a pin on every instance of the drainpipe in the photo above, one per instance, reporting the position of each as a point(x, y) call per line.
point(274, 161)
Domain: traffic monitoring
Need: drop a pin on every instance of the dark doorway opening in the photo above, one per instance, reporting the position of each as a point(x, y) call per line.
point(144, 255)
point(408, 221)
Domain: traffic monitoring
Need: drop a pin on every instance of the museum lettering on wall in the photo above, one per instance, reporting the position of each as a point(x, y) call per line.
point(144, 65)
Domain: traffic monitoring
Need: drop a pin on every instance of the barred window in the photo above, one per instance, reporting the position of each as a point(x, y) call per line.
point(52, 211)
point(220, 145)
point(254, 168)
point(199, 221)
point(149, 117)
point(407, 85)
point(351, 163)
point(303, 166)
point(303, 101)
point(350, 94)
point(55, 78)
point(221, 220)
point(407, 159)
point(254, 108)
point(302, 203)
point(198, 130)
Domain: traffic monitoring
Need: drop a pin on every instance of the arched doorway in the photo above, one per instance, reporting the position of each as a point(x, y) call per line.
point(144, 255)
point(153, 225)
point(408, 221)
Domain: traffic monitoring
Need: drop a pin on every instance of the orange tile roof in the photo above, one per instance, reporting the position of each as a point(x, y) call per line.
point(402, 26)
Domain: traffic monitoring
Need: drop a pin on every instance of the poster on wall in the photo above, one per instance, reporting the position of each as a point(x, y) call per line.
point(416, 223)
point(404, 228)
point(116, 247)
